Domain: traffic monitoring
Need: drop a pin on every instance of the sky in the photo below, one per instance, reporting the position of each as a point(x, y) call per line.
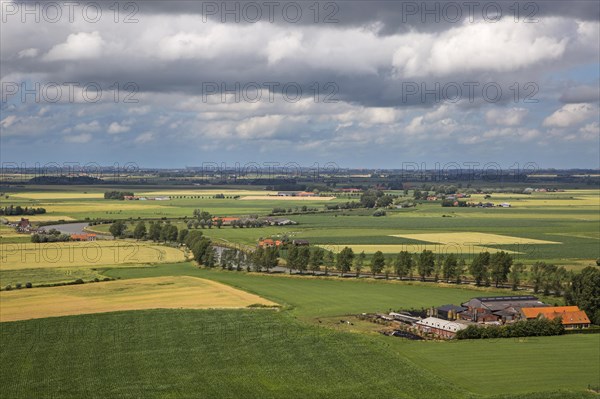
point(375, 84)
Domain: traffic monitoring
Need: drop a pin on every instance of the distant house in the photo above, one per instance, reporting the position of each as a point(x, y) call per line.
point(83, 237)
point(24, 226)
point(299, 243)
point(287, 193)
point(505, 205)
point(439, 327)
point(269, 243)
point(279, 221)
point(306, 194)
point(226, 220)
point(131, 197)
point(350, 190)
point(572, 316)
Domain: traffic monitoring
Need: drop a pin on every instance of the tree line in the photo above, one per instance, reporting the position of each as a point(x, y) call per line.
point(11, 210)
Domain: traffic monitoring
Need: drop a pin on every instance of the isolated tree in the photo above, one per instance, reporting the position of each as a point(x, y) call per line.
point(426, 263)
point(359, 262)
point(344, 259)
point(140, 230)
point(377, 263)
point(219, 223)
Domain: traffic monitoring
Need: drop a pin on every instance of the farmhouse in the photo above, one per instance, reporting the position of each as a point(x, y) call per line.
point(501, 308)
point(24, 226)
point(83, 237)
point(439, 327)
point(572, 316)
point(226, 220)
point(279, 221)
point(269, 243)
point(306, 194)
point(350, 190)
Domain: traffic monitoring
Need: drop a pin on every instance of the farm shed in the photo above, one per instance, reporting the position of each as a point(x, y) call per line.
point(439, 327)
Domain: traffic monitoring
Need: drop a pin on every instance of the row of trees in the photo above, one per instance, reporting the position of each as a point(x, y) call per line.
point(156, 231)
point(19, 210)
point(51, 235)
point(523, 328)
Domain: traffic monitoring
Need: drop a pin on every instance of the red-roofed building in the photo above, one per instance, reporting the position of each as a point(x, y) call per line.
point(83, 237)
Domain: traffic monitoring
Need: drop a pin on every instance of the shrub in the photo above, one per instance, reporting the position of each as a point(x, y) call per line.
point(18, 286)
point(8, 287)
point(79, 281)
point(28, 285)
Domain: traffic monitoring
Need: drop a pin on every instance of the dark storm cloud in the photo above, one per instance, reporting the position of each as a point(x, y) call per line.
point(395, 16)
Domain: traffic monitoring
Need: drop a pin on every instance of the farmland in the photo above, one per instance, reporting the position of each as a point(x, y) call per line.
point(170, 347)
point(18, 256)
point(560, 227)
point(156, 322)
point(135, 294)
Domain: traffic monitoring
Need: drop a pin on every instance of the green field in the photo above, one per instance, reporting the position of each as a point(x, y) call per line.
point(283, 354)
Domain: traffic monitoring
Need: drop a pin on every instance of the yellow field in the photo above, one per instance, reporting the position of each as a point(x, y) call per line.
point(56, 195)
point(413, 248)
point(91, 254)
point(136, 294)
point(7, 231)
point(472, 238)
point(39, 218)
point(278, 198)
point(205, 192)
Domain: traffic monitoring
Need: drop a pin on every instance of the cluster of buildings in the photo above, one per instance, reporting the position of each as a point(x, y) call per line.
point(296, 194)
point(445, 321)
point(269, 243)
point(138, 198)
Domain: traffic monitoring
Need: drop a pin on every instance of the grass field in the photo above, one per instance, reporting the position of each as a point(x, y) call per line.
point(284, 354)
point(134, 294)
point(309, 297)
point(281, 198)
point(464, 250)
point(89, 254)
